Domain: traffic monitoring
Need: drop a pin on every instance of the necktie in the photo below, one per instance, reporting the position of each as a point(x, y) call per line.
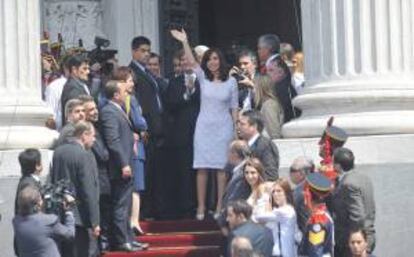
point(157, 89)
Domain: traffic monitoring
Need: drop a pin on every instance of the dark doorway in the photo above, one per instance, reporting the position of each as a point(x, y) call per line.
point(229, 23)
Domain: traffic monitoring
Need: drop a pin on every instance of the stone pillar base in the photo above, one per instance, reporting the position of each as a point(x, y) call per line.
point(358, 110)
point(22, 124)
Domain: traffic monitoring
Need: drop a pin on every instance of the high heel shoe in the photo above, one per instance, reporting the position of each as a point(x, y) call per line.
point(216, 215)
point(137, 231)
point(200, 215)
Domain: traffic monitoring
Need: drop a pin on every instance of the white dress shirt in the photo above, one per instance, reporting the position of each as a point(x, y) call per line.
point(53, 94)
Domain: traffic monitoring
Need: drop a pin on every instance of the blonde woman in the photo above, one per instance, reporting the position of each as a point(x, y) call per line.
point(269, 107)
point(298, 76)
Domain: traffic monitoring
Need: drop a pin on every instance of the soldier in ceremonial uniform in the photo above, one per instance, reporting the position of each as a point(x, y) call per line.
point(333, 137)
point(318, 239)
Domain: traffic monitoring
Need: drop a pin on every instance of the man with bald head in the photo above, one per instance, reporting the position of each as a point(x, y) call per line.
point(241, 247)
point(299, 169)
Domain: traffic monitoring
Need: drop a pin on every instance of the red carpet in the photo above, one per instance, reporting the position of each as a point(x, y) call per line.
point(184, 238)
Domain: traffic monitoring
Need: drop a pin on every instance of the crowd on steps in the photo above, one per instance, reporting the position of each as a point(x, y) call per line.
point(197, 144)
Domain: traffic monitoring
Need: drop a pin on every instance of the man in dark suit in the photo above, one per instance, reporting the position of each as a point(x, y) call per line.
point(353, 202)
point(74, 162)
point(237, 188)
point(36, 233)
point(31, 167)
point(182, 105)
point(148, 93)
point(238, 217)
point(74, 112)
point(101, 156)
point(250, 125)
point(118, 137)
point(78, 66)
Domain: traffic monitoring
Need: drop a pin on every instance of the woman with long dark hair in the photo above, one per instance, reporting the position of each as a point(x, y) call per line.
point(280, 75)
point(215, 127)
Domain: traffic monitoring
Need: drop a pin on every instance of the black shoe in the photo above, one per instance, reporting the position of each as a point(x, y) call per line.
point(127, 247)
point(142, 245)
point(104, 246)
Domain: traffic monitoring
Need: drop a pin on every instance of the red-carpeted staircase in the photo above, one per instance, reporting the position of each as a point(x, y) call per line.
point(181, 238)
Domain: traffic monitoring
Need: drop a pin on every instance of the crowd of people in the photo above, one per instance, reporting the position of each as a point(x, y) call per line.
point(136, 145)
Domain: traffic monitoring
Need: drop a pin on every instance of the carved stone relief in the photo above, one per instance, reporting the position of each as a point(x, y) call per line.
point(74, 20)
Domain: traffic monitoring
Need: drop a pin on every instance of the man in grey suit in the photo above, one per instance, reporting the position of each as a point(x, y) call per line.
point(250, 126)
point(238, 217)
point(35, 231)
point(300, 168)
point(353, 202)
point(75, 162)
point(117, 133)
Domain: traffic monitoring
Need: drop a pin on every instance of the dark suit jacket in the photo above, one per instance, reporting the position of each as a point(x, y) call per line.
point(260, 236)
point(71, 90)
point(36, 234)
point(24, 182)
point(354, 206)
point(182, 112)
point(267, 152)
point(102, 157)
point(302, 212)
point(146, 92)
point(236, 189)
point(71, 161)
point(118, 137)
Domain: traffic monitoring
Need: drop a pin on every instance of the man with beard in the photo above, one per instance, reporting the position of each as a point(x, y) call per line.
point(101, 156)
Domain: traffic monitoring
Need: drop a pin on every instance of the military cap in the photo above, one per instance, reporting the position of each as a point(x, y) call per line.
point(336, 133)
point(319, 183)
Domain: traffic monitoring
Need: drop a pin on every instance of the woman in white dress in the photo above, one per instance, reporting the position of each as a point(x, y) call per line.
point(215, 127)
point(259, 198)
point(282, 220)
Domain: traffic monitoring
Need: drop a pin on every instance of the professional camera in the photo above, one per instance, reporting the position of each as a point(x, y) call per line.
point(239, 75)
point(98, 55)
point(55, 197)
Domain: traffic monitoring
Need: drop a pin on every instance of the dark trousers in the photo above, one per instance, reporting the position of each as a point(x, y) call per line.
point(186, 183)
point(84, 245)
point(105, 208)
point(154, 202)
point(121, 203)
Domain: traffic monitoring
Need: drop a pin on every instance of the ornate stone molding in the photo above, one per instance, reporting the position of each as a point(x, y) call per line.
point(75, 20)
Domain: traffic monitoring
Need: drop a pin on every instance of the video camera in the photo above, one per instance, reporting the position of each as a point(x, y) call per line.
point(55, 197)
point(98, 55)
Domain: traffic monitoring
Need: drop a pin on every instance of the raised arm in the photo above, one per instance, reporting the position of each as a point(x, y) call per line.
point(188, 53)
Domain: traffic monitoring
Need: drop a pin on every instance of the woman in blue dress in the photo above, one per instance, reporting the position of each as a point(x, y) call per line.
point(216, 122)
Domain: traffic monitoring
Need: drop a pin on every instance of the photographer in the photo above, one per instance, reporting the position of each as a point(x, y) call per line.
point(35, 231)
point(245, 74)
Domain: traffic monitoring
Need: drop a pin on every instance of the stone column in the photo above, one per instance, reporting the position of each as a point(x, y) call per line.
point(122, 21)
point(22, 112)
point(359, 67)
